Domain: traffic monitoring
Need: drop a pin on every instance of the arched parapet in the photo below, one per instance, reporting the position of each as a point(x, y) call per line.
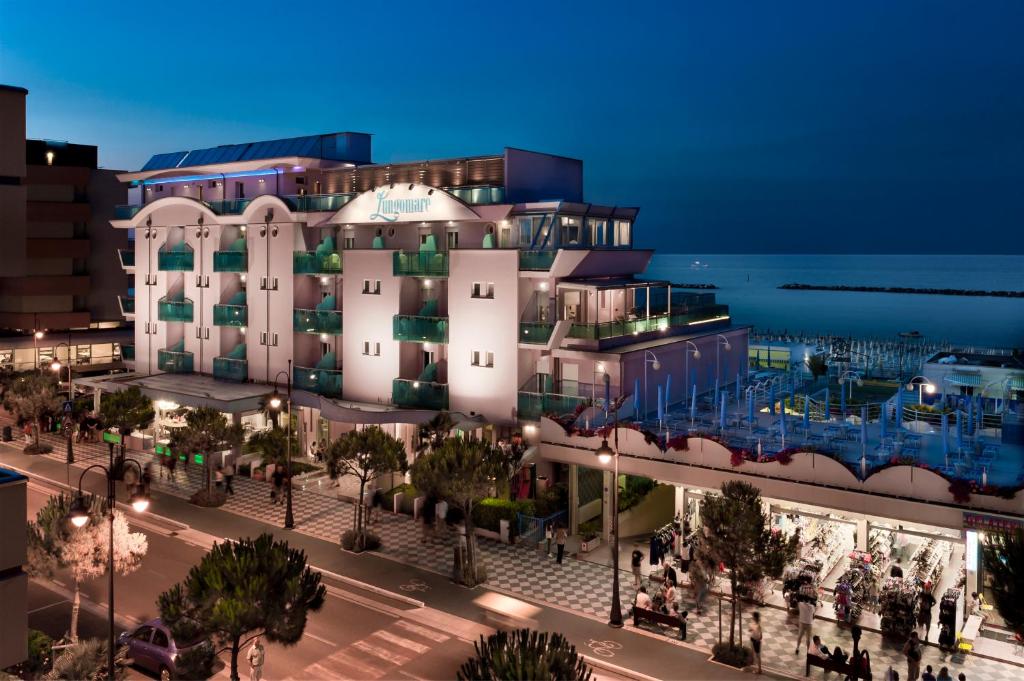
point(174, 211)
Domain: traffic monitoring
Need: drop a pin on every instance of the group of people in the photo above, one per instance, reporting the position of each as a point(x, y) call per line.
point(913, 651)
point(558, 536)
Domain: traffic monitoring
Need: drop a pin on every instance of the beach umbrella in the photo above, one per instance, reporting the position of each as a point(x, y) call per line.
point(782, 426)
point(945, 436)
point(899, 406)
point(959, 433)
point(607, 397)
point(807, 411)
point(771, 399)
point(828, 406)
point(970, 415)
point(693, 403)
point(721, 415)
point(842, 403)
point(750, 409)
point(661, 403)
point(668, 390)
point(883, 420)
point(739, 388)
point(636, 398)
point(863, 427)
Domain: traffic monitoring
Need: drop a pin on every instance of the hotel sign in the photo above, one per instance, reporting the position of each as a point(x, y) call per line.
point(403, 203)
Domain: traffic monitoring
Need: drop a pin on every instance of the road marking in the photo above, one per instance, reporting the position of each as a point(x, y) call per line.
point(350, 663)
point(407, 674)
point(30, 612)
point(387, 655)
point(403, 642)
point(322, 640)
point(433, 635)
point(604, 648)
point(318, 671)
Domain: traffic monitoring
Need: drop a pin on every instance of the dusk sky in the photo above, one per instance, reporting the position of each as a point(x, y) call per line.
point(735, 126)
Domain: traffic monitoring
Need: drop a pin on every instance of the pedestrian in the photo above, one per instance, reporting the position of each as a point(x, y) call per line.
point(277, 480)
point(806, 608)
point(668, 595)
point(944, 675)
point(687, 558)
point(378, 505)
point(218, 477)
point(427, 513)
point(549, 534)
point(229, 474)
point(256, 657)
point(683, 614)
point(643, 599)
point(924, 614)
point(755, 634)
point(961, 677)
point(636, 561)
point(172, 465)
point(818, 649)
point(912, 651)
point(668, 573)
point(560, 537)
point(147, 477)
point(928, 675)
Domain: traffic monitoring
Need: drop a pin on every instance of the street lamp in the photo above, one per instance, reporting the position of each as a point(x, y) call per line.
point(656, 365)
point(720, 342)
point(78, 515)
point(37, 335)
point(850, 377)
point(924, 386)
point(275, 403)
point(56, 367)
point(696, 356)
point(606, 455)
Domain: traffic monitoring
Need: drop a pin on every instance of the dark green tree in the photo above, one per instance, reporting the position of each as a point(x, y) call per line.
point(32, 397)
point(434, 432)
point(737, 533)
point(273, 445)
point(817, 365)
point(127, 411)
point(243, 589)
point(206, 431)
point(1004, 560)
point(524, 655)
point(462, 473)
point(366, 454)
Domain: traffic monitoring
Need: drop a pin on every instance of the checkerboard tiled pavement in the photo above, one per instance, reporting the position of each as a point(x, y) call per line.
point(580, 586)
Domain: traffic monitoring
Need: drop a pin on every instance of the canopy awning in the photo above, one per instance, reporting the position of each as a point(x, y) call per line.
point(965, 379)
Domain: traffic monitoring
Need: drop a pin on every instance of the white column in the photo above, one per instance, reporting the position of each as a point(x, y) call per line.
point(574, 498)
point(862, 534)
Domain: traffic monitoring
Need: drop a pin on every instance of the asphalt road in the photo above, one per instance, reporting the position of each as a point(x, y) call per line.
point(356, 635)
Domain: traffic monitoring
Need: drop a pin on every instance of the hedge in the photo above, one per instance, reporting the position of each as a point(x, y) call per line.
point(488, 512)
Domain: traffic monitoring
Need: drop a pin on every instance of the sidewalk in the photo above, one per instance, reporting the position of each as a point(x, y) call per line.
point(576, 587)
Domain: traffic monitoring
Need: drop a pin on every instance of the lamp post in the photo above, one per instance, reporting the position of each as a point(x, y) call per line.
point(56, 366)
point(275, 403)
point(924, 386)
point(37, 335)
point(686, 368)
point(850, 377)
point(79, 516)
point(606, 455)
point(720, 342)
point(656, 365)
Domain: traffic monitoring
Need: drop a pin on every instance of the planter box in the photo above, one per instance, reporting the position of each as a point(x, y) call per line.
point(590, 545)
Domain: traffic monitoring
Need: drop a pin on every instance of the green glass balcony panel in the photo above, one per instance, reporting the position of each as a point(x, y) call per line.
point(419, 394)
point(128, 352)
point(175, 261)
point(126, 212)
point(229, 369)
point(620, 328)
point(231, 315)
point(539, 261)
point(530, 406)
point(703, 315)
point(311, 203)
point(562, 404)
point(127, 257)
point(417, 329)
point(317, 321)
point(538, 333)
point(127, 304)
point(420, 264)
point(229, 206)
point(479, 195)
point(309, 262)
point(326, 382)
point(230, 261)
point(174, 311)
point(174, 362)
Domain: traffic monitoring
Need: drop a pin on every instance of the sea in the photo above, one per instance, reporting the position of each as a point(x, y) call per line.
point(749, 285)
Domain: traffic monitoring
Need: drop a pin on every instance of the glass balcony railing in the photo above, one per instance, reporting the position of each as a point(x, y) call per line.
point(174, 362)
point(230, 369)
point(228, 206)
point(535, 332)
point(309, 262)
point(420, 264)
point(312, 203)
point(126, 212)
point(175, 261)
point(317, 321)
point(128, 353)
point(230, 261)
point(231, 315)
point(533, 405)
point(326, 382)
point(539, 261)
point(419, 394)
point(127, 304)
point(661, 322)
point(479, 195)
point(127, 257)
point(174, 310)
point(420, 329)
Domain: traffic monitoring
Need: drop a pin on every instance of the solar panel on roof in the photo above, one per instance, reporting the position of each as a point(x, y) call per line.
point(306, 146)
point(163, 161)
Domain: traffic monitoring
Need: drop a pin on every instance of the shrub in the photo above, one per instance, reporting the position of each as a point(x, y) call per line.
point(406, 504)
point(635, 489)
point(196, 662)
point(734, 656)
point(527, 655)
point(488, 513)
point(589, 529)
point(40, 650)
point(348, 541)
point(551, 501)
point(211, 498)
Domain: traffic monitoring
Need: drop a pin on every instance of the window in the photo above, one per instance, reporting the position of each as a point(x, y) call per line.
point(143, 634)
point(526, 231)
point(453, 240)
point(159, 638)
point(239, 190)
point(483, 289)
point(482, 358)
point(371, 349)
point(597, 228)
point(505, 236)
point(371, 287)
point(622, 233)
point(350, 242)
point(570, 231)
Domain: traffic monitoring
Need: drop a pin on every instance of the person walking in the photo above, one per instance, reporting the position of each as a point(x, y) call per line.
point(172, 466)
point(256, 657)
point(229, 475)
point(806, 608)
point(549, 534)
point(912, 651)
point(218, 477)
point(277, 479)
point(560, 537)
point(924, 614)
point(755, 634)
point(944, 675)
point(636, 561)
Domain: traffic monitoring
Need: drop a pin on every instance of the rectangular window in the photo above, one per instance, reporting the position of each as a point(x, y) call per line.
point(371, 348)
point(482, 358)
point(483, 289)
point(239, 190)
point(597, 228)
point(622, 237)
point(505, 236)
point(570, 231)
point(350, 242)
point(371, 287)
point(453, 240)
point(376, 349)
point(366, 347)
point(525, 232)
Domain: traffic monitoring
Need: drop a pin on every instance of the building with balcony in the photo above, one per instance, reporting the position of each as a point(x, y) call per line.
point(62, 267)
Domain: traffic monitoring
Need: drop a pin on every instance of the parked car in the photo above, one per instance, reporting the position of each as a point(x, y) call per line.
point(151, 647)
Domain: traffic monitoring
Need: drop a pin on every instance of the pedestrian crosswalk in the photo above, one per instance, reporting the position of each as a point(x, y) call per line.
point(377, 656)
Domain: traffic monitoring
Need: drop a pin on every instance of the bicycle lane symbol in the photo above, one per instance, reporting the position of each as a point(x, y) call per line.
point(604, 648)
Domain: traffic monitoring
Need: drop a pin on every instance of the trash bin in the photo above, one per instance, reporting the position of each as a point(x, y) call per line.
point(7, 434)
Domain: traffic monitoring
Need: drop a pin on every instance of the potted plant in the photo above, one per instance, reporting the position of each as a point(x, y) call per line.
point(589, 538)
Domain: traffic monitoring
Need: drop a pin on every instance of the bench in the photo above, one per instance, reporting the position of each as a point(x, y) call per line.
point(507, 612)
point(641, 615)
point(830, 665)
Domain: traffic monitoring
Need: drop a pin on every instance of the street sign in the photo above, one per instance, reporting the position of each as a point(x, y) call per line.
point(68, 406)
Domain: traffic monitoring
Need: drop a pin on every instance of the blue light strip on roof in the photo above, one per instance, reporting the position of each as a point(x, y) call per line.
point(214, 176)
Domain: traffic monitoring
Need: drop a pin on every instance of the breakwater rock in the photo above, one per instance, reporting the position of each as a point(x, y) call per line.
point(905, 289)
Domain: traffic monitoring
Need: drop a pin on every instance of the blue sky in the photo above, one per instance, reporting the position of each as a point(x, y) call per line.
point(735, 126)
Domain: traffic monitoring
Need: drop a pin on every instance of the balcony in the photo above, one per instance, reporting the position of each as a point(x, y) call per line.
point(317, 321)
point(326, 382)
point(479, 195)
point(174, 362)
point(312, 203)
point(311, 262)
point(661, 322)
point(535, 333)
point(231, 315)
point(416, 329)
point(126, 212)
point(419, 394)
point(179, 259)
point(420, 264)
point(230, 369)
point(536, 261)
point(228, 206)
point(174, 310)
point(127, 258)
point(128, 353)
point(533, 405)
point(127, 304)
point(230, 261)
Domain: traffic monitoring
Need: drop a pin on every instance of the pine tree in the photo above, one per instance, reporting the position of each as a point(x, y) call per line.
point(1004, 561)
point(31, 397)
point(524, 655)
point(243, 589)
point(206, 431)
point(127, 411)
